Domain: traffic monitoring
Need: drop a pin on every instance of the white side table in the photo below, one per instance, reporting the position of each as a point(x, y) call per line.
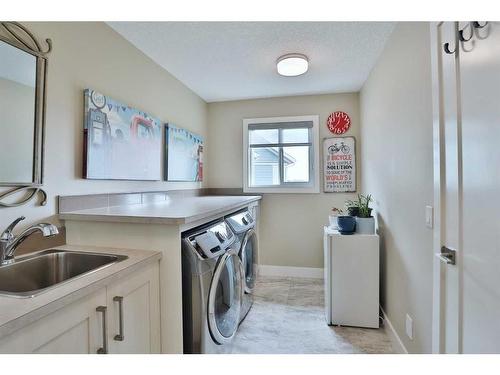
point(351, 279)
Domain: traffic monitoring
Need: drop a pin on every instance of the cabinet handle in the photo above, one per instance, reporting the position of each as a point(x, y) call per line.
point(120, 336)
point(104, 349)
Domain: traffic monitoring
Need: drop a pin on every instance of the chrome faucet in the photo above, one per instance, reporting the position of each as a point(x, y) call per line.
point(9, 242)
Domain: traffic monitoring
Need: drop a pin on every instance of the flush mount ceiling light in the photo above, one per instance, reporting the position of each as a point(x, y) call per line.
point(292, 64)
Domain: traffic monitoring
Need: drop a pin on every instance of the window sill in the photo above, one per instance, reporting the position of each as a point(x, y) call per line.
point(282, 190)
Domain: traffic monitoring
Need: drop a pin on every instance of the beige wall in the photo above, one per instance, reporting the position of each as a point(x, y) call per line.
point(93, 55)
point(396, 154)
point(291, 226)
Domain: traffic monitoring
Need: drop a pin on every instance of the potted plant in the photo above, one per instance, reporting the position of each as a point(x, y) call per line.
point(346, 224)
point(352, 207)
point(336, 212)
point(365, 223)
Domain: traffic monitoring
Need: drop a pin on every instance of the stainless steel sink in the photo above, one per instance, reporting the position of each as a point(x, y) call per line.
point(31, 275)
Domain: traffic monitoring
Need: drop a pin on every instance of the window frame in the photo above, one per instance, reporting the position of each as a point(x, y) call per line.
point(284, 187)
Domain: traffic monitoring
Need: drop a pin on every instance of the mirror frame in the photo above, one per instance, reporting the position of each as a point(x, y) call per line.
point(18, 36)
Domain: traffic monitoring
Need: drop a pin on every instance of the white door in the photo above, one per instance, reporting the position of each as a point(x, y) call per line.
point(466, 84)
point(75, 329)
point(134, 313)
point(480, 107)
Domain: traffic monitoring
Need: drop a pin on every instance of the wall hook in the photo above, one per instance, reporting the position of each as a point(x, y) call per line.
point(446, 48)
point(461, 34)
point(477, 25)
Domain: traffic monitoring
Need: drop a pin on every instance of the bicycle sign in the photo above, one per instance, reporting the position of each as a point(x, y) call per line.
point(333, 149)
point(339, 165)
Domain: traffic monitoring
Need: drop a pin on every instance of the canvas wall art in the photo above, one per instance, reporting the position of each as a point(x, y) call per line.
point(184, 155)
point(339, 164)
point(121, 143)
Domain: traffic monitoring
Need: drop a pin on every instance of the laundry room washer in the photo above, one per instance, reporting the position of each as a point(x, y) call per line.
point(212, 288)
point(242, 223)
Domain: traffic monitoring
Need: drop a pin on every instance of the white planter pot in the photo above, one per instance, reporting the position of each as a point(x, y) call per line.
point(365, 225)
point(333, 221)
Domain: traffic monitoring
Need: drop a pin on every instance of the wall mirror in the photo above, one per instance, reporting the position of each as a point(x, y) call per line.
point(23, 76)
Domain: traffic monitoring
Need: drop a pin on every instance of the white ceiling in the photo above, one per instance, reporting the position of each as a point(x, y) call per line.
point(237, 60)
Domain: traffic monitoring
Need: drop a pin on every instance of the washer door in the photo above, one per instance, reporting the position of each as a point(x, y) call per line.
point(247, 254)
point(225, 297)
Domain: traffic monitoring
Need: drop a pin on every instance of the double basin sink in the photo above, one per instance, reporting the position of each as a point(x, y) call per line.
point(33, 274)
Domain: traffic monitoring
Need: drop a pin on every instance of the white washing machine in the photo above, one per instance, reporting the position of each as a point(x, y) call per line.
point(212, 288)
point(242, 224)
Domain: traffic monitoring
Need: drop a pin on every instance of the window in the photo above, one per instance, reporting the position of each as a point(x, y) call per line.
point(281, 154)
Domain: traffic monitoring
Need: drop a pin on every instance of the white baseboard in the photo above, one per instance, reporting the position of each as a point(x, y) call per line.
point(398, 345)
point(283, 271)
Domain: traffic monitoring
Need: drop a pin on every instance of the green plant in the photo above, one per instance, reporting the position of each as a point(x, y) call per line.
point(364, 205)
point(337, 211)
point(351, 203)
point(352, 207)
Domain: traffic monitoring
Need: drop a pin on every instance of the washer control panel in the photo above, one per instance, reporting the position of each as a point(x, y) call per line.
point(241, 221)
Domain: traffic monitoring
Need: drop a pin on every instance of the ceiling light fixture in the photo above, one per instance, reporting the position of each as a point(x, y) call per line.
point(292, 64)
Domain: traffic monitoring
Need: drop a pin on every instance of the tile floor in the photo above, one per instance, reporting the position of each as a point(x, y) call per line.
point(287, 317)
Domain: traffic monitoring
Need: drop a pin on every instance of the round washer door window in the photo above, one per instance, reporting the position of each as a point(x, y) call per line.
point(225, 297)
point(247, 255)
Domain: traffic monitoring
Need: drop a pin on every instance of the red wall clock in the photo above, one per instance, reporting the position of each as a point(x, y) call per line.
point(338, 122)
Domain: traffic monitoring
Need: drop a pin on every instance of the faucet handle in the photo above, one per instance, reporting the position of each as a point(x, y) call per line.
point(7, 233)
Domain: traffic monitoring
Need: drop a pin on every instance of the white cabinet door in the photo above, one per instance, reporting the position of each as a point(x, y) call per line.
point(134, 312)
point(74, 329)
point(351, 279)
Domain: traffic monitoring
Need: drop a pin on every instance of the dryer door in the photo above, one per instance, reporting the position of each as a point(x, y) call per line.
point(247, 254)
point(225, 297)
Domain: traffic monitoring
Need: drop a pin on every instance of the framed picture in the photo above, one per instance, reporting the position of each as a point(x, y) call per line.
point(339, 163)
point(120, 143)
point(183, 155)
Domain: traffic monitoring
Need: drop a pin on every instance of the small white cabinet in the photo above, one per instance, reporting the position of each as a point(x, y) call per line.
point(91, 324)
point(351, 279)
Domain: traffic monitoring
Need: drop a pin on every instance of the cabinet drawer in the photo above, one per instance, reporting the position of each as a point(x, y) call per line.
point(73, 329)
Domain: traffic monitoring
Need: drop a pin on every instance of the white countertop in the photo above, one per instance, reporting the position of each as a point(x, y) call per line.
point(179, 210)
point(335, 232)
point(16, 313)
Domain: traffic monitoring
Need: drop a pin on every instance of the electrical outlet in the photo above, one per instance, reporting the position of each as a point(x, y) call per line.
point(429, 216)
point(409, 326)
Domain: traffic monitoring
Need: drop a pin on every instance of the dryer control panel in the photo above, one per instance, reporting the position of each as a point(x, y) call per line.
point(212, 240)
